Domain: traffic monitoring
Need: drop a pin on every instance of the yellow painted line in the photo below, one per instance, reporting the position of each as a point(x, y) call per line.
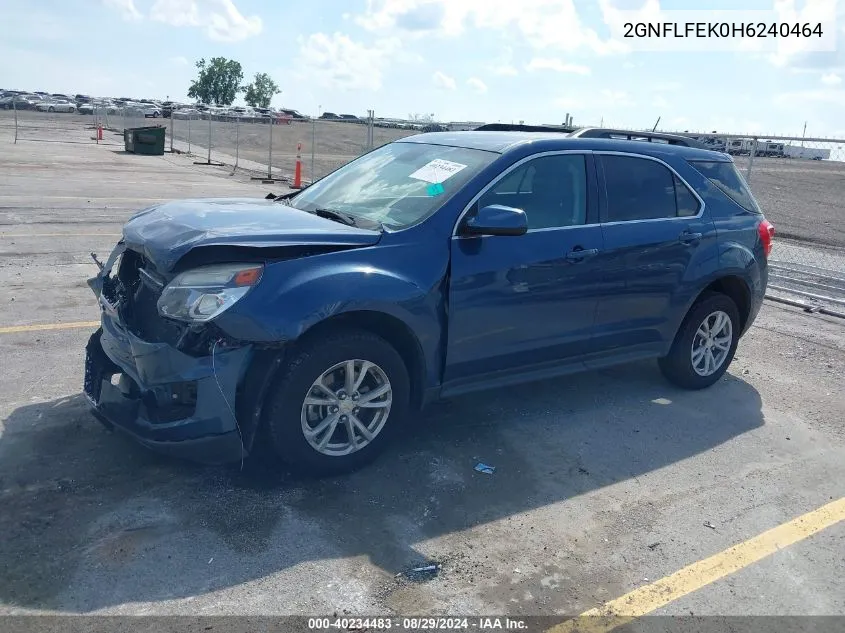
point(658, 594)
point(11, 329)
point(26, 235)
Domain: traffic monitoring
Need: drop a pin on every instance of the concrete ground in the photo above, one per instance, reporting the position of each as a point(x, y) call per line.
point(604, 482)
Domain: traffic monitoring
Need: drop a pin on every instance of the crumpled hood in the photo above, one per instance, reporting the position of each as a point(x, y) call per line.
point(166, 232)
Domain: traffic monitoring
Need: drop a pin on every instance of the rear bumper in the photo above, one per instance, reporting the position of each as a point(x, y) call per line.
point(173, 403)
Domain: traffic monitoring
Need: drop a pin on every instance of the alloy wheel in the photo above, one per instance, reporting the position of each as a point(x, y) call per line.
point(711, 343)
point(346, 407)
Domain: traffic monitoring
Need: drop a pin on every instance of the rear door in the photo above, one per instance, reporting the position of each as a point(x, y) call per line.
point(657, 238)
point(522, 301)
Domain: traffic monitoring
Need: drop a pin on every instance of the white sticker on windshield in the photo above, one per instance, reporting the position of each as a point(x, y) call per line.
point(437, 170)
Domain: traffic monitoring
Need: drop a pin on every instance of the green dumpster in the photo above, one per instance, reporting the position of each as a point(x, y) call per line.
point(145, 140)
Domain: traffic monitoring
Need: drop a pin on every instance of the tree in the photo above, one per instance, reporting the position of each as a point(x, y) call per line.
point(261, 91)
point(218, 81)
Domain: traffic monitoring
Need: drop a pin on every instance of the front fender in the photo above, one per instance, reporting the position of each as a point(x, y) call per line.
point(292, 299)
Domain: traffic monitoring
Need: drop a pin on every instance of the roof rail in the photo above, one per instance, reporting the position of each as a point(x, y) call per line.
point(636, 135)
point(598, 132)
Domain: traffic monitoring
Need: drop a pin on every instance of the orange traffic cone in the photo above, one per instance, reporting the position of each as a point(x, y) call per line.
point(297, 174)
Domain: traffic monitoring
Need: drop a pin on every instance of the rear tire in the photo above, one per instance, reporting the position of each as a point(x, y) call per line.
point(327, 359)
point(705, 343)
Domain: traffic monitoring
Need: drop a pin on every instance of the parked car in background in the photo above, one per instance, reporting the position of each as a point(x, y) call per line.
point(142, 110)
point(295, 115)
point(100, 106)
point(280, 118)
point(57, 105)
point(185, 112)
point(23, 102)
point(470, 260)
point(151, 111)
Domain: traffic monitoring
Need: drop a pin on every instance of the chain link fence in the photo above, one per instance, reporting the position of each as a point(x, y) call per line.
point(799, 182)
point(270, 146)
point(52, 123)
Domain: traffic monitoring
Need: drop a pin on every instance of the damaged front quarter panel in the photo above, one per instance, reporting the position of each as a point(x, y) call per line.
point(103, 285)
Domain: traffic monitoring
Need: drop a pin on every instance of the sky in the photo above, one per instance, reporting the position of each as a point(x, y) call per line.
point(460, 60)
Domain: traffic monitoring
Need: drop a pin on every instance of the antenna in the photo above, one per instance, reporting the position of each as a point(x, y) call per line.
point(655, 124)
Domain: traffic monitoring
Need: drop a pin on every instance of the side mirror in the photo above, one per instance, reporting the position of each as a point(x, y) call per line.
point(496, 219)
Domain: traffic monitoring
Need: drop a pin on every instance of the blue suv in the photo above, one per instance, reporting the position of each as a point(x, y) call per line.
point(315, 322)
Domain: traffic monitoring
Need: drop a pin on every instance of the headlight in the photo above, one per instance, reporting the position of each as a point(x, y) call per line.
point(203, 293)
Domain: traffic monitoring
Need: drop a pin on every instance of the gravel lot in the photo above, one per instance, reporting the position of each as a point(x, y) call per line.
point(603, 482)
point(803, 198)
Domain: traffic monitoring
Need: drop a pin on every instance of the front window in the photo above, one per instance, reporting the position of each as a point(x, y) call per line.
point(551, 190)
point(398, 184)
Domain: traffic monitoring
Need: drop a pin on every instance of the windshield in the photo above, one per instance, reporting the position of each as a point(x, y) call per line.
point(398, 184)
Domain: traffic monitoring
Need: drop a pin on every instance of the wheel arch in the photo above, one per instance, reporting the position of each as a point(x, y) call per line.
point(737, 289)
point(266, 363)
point(731, 284)
point(392, 329)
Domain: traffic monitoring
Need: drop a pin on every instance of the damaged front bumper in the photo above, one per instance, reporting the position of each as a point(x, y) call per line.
point(172, 402)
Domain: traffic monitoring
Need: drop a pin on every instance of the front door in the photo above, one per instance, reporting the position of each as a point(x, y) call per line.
point(521, 301)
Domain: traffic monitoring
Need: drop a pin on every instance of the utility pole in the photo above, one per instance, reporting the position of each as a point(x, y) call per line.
point(804, 134)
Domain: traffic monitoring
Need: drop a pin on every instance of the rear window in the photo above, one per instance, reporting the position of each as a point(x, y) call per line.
point(726, 177)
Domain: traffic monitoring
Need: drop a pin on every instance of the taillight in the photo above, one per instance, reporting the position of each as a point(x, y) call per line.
point(767, 231)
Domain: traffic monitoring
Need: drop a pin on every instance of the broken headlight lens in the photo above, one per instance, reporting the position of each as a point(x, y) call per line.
point(203, 293)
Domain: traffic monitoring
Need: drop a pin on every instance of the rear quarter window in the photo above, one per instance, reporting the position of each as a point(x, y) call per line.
point(728, 179)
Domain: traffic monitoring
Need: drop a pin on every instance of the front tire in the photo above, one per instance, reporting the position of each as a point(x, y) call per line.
point(338, 404)
point(705, 343)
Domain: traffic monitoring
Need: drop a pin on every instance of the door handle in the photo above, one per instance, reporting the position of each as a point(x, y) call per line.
point(688, 237)
point(578, 254)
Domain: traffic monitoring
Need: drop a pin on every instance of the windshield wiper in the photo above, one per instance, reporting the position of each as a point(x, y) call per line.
point(331, 214)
